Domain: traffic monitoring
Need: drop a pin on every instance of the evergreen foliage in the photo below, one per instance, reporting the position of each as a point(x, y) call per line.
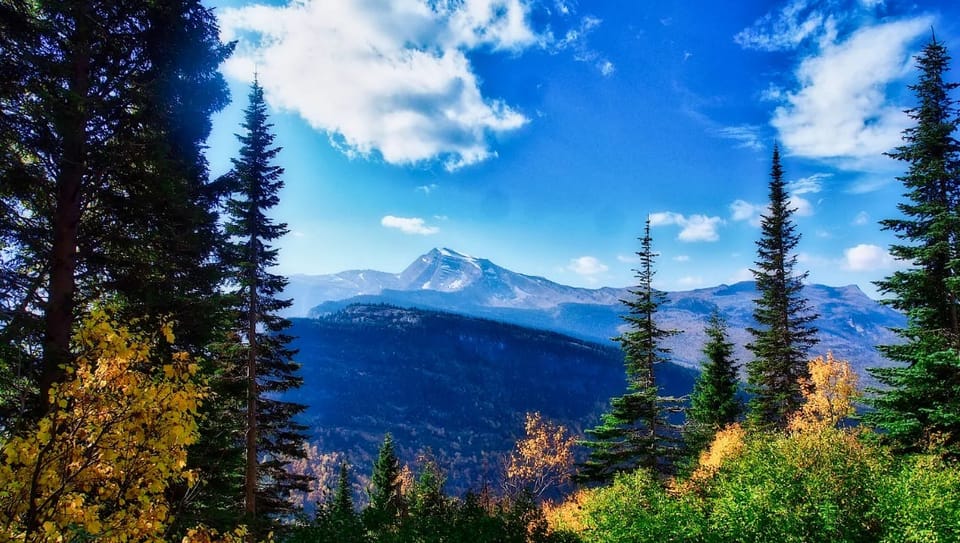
point(784, 333)
point(104, 185)
point(386, 498)
point(635, 432)
point(272, 435)
point(714, 403)
point(919, 402)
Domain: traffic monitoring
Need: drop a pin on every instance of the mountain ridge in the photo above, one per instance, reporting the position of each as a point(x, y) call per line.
point(850, 323)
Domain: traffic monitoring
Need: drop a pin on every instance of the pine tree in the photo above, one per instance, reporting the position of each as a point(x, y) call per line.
point(635, 432)
point(272, 435)
point(714, 403)
point(784, 333)
point(919, 401)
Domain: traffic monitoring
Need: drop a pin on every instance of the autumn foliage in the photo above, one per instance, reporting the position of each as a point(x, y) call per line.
point(114, 438)
point(542, 459)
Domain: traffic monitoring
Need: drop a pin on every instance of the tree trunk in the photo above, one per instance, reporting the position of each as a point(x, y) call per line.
point(59, 318)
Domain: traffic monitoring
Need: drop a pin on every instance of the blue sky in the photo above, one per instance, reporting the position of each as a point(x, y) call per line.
point(541, 133)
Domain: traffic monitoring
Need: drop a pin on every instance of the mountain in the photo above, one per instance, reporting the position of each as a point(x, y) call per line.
point(850, 323)
point(456, 385)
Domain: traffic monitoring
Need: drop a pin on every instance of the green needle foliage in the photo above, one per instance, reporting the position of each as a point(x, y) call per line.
point(920, 407)
point(714, 403)
point(635, 432)
point(784, 334)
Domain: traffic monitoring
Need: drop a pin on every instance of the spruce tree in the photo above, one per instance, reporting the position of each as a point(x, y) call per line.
point(635, 432)
point(919, 401)
point(272, 435)
point(714, 403)
point(386, 499)
point(784, 333)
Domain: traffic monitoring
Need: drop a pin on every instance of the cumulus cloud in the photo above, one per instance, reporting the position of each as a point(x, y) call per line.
point(743, 274)
point(862, 218)
point(692, 228)
point(801, 206)
point(841, 110)
point(388, 78)
point(742, 210)
point(867, 257)
point(409, 225)
point(587, 265)
point(628, 259)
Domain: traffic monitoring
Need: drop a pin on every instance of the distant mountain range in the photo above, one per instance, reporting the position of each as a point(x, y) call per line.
point(455, 385)
point(850, 323)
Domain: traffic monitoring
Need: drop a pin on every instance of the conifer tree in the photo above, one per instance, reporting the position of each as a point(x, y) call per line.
point(635, 432)
point(784, 333)
point(919, 400)
point(272, 435)
point(714, 403)
point(104, 185)
point(385, 492)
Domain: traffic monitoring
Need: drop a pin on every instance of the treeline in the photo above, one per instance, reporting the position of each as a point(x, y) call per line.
point(142, 359)
point(123, 262)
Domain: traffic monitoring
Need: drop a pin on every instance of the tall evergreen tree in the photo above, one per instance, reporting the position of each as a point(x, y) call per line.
point(784, 333)
point(920, 400)
point(272, 435)
point(636, 432)
point(104, 184)
point(714, 403)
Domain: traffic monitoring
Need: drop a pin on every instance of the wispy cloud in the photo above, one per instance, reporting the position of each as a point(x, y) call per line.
point(576, 39)
point(692, 228)
point(808, 185)
point(747, 136)
point(427, 189)
point(681, 258)
point(784, 29)
point(861, 219)
point(743, 274)
point(867, 257)
point(409, 225)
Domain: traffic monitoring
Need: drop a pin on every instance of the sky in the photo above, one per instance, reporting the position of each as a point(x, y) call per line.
point(541, 134)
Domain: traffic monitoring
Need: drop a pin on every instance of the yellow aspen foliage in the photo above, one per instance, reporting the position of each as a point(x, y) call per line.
point(568, 515)
point(542, 459)
point(115, 436)
point(727, 444)
point(829, 395)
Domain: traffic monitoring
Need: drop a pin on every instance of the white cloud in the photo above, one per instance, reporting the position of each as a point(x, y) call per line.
point(867, 257)
point(389, 78)
point(841, 110)
point(427, 189)
point(801, 206)
point(690, 281)
point(606, 67)
point(575, 39)
point(808, 185)
point(743, 274)
point(741, 210)
point(629, 259)
point(862, 218)
point(784, 29)
point(747, 136)
point(586, 265)
point(409, 225)
point(681, 258)
point(692, 228)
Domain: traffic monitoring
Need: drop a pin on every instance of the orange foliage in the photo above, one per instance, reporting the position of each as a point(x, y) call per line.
point(829, 395)
point(542, 459)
